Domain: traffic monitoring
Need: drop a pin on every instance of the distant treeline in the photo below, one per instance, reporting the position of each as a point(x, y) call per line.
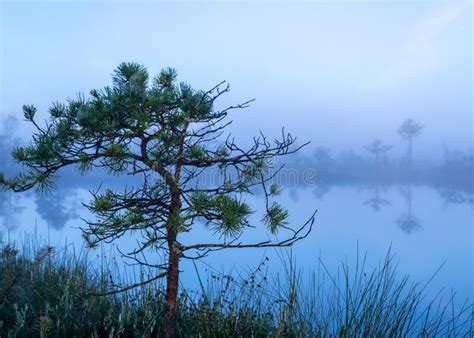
point(455, 171)
point(321, 167)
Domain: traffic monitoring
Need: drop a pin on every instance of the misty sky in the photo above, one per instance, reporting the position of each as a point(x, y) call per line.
point(339, 74)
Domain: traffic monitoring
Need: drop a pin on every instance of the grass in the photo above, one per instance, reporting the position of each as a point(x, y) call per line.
point(48, 293)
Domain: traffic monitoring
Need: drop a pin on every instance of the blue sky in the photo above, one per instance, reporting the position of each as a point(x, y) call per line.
point(336, 73)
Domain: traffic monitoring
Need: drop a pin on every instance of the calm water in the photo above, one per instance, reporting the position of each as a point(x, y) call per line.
point(425, 228)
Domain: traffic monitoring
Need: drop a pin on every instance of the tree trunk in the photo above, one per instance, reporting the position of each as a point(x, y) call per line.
point(172, 286)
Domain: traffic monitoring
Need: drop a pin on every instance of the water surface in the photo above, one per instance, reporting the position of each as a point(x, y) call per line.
point(424, 226)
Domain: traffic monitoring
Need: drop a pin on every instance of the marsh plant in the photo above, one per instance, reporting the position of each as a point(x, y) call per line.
point(47, 292)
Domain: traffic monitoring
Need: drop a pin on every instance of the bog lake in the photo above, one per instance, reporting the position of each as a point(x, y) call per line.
point(424, 226)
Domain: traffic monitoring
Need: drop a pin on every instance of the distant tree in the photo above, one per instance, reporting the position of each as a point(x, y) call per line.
point(408, 131)
point(378, 150)
point(322, 155)
point(324, 162)
point(10, 122)
point(169, 135)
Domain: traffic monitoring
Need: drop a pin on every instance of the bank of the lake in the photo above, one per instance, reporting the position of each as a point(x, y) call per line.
point(48, 292)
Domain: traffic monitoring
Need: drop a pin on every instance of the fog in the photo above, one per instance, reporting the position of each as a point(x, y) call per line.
point(382, 90)
point(337, 74)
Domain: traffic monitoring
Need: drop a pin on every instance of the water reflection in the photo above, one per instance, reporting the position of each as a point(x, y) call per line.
point(63, 205)
point(452, 196)
point(407, 222)
point(377, 202)
point(55, 209)
point(58, 208)
point(8, 140)
point(321, 190)
point(294, 195)
point(10, 211)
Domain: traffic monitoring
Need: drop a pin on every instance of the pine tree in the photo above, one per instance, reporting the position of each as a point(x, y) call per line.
point(379, 150)
point(408, 131)
point(168, 134)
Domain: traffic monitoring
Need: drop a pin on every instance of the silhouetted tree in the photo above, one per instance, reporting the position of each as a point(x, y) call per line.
point(378, 150)
point(325, 164)
point(169, 134)
point(408, 131)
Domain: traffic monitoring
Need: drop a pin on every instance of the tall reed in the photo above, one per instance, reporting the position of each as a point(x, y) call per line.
point(47, 293)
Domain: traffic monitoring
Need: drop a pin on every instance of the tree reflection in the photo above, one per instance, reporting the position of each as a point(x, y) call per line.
point(8, 126)
point(407, 222)
point(377, 202)
point(321, 190)
point(57, 208)
point(10, 210)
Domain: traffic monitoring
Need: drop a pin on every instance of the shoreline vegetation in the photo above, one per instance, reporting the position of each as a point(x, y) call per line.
point(46, 292)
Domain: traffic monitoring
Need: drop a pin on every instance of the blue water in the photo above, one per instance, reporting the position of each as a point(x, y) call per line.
point(423, 226)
